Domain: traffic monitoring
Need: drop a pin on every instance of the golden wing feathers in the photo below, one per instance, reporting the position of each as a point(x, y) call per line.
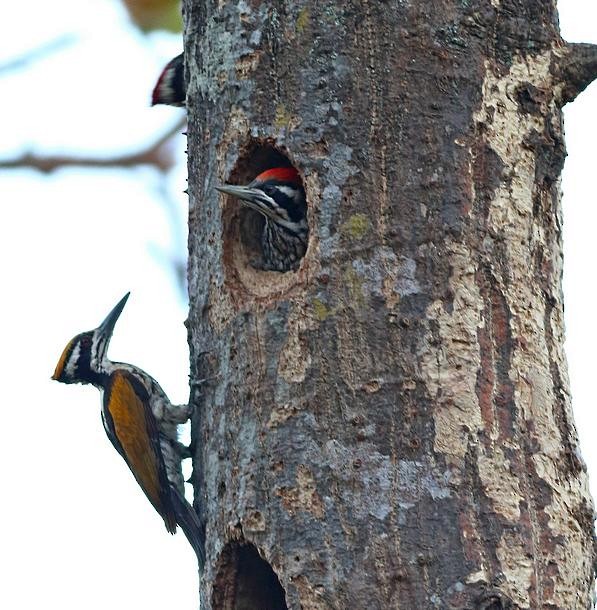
point(133, 431)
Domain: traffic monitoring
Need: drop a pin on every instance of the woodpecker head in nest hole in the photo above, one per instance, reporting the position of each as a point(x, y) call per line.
point(278, 195)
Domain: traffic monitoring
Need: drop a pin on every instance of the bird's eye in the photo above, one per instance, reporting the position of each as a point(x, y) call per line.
point(268, 189)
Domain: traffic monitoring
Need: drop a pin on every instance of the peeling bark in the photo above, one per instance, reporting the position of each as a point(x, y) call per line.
point(390, 425)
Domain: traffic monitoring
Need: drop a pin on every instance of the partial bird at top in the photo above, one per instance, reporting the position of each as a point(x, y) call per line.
point(171, 88)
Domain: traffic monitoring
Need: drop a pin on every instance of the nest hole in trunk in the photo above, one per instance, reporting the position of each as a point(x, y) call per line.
point(245, 581)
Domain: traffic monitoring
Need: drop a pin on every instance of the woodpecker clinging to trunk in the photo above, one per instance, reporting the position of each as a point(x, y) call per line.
point(170, 88)
point(278, 195)
point(140, 422)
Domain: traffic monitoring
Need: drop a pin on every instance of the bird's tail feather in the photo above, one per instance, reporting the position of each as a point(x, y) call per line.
point(187, 518)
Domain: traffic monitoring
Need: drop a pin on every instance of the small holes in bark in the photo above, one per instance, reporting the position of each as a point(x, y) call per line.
point(245, 581)
point(243, 227)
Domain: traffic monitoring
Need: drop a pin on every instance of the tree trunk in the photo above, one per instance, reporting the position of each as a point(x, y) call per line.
point(390, 425)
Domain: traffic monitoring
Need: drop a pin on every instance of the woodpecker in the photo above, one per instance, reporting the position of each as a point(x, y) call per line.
point(140, 421)
point(171, 88)
point(278, 195)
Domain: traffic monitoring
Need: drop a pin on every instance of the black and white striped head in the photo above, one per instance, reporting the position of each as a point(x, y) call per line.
point(170, 88)
point(279, 195)
point(84, 359)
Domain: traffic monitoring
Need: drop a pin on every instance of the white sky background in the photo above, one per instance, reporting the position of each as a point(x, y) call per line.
point(76, 531)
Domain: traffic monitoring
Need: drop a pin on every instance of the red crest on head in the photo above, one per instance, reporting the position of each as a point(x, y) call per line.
point(283, 174)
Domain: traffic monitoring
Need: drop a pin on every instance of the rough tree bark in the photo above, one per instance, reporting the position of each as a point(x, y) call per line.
point(389, 426)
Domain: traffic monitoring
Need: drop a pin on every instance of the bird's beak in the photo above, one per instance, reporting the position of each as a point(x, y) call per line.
point(253, 198)
point(107, 326)
point(246, 193)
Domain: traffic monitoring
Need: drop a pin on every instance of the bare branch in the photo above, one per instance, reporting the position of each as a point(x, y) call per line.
point(155, 155)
